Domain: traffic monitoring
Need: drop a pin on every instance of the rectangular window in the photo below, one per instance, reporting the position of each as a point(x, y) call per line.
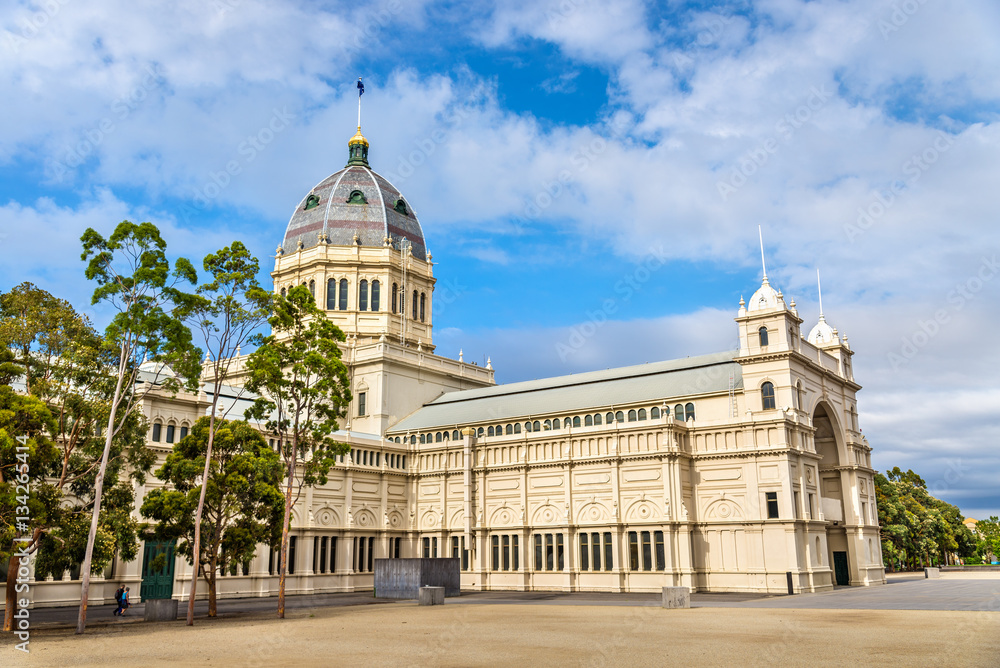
point(361, 555)
point(549, 553)
point(812, 506)
point(315, 554)
point(362, 403)
point(595, 547)
point(584, 553)
point(371, 554)
point(322, 555)
point(647, 552)
point(864, 513)
point(633, 551)
point(156, 432)
point(434, 547)
point(427, 547)
point(354, 556)
point(496, 552)
point(609, 552)
point(454, 547)
point(661, 561)
point(170, 433)
point(560, 553)
point(291, 555)
point(270, 561)
point(772, 505)
point(515, 550)
point(397, 549)
point(333, 554)
point(506, 553)
point(538, 551)
point(796, 508)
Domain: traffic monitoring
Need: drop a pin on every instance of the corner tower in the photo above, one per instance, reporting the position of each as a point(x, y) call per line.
point(357, 244)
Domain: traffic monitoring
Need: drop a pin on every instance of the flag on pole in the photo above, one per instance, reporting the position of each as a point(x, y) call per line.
point(361, 88)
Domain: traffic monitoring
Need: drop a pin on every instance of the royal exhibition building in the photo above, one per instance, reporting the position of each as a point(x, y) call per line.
point(721, 473)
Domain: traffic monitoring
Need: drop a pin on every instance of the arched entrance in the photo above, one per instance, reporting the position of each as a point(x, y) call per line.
point(830, 447)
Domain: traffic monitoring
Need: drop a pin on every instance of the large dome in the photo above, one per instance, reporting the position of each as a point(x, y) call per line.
point(354, 201)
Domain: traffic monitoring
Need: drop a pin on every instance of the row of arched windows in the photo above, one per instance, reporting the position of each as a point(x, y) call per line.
point(418, 303)
point(374, 458)
point(172, 433)
point(682, 412)
point(369, 294)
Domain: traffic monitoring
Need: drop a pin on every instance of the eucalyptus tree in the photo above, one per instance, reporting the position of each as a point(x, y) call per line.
point(240, 495)
point(225, 311)
point(134, 277)
point(304, 391)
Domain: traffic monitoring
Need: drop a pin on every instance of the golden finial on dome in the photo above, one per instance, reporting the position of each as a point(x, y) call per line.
point(358, 138)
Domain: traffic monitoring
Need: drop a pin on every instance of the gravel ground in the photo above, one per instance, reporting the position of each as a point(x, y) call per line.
point(402, 634)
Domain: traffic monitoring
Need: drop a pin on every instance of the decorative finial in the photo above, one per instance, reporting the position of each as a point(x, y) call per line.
point(356, 239)
point(279, 251)
point(322, 238)
point(742, 302)
point(461, 358)
point(300, 245)
point(208, 358)
point(386, 241)
point(489, 363)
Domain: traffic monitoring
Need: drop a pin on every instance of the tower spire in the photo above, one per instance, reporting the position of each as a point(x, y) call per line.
point(819, 289)
point(762, 263)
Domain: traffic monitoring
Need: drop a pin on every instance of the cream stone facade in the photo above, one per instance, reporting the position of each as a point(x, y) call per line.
point(723, 472)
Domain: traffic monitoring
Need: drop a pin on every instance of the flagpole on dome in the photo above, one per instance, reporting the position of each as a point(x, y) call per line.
point(361, 91)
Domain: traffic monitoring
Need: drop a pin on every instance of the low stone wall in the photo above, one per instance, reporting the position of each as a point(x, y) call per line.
point(403, 578)
point(970, 568)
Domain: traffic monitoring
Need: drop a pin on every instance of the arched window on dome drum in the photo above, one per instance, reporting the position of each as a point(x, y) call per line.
point(517, 428)
point(416, 297)
point(527, 426)
point(437, 437)
point(597, 419)
point(423, 439)
point(342, 301)
point(642, 414)
point(762, 333)
point(688, 411)
point(576, 421)
point(588, 421)
point(363, 295)
point(499, 430)
point(395, 289)
point(679, 412)
point(423, 303)
point(413, 439)
point(767, 396)
point(654, 413)
point(376, 289)
point(566, 423)
point(631, 415)
point(509, 429)
point(331, 294)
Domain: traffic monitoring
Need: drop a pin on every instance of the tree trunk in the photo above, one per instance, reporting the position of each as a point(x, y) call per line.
point(213, 564)
point(81, 622)
point(283, 569)
point(201, 507)
point(8, 613)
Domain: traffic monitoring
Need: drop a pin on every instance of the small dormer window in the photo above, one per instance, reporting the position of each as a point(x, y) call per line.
point(401, 207)
point(312, 202)
point(357, 197)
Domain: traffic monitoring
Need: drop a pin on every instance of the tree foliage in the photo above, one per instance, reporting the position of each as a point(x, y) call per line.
point(304, 391)
point(134, 276)
point(243, 503)
point(917, 529)
point(55, 355)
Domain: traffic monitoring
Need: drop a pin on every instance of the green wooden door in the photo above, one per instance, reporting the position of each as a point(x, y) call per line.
point(158, 573)
point(840, 569)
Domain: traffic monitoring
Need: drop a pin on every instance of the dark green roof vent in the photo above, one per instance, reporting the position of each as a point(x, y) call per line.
point(401, 207)
point(312, 202)
point(357, 197)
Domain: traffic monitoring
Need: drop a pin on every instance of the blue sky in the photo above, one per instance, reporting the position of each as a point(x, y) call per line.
point(861, 135)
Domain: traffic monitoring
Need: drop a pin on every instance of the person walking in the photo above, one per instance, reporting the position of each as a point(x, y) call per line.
point(125, 602)
point(119, 593)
